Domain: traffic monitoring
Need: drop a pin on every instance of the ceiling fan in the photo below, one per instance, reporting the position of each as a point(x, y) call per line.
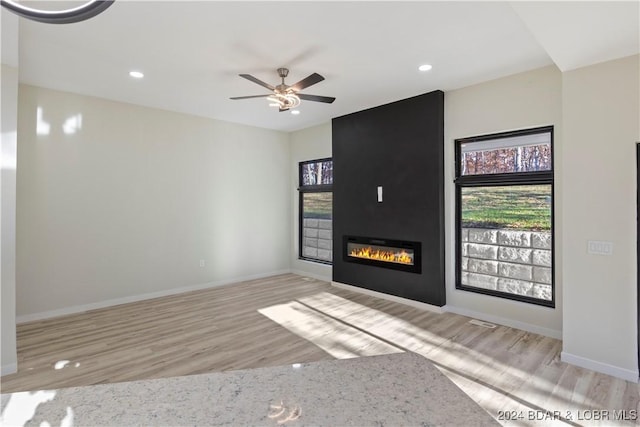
point(284, 96)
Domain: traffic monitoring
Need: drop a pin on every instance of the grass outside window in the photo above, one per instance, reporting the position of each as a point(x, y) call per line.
point(516, 207)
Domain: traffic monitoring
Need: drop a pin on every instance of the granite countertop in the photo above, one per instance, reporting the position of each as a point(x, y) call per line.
point(396, 389)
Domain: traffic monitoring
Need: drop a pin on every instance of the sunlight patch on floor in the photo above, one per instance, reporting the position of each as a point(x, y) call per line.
point(377, 322)
point(339, 340)
point(387, 327)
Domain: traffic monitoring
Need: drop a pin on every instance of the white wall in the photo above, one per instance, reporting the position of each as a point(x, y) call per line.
point(8, 128)
point(520, 101)
point(9, 93)
point(601, 116)
point(129, 203)
point(308, 144)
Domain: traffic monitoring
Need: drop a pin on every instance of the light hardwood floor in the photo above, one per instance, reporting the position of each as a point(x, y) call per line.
point(290, 319)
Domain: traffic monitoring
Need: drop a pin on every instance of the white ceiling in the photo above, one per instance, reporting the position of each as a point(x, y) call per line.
point(192, 52)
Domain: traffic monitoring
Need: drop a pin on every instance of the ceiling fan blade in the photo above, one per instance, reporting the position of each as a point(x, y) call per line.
point(308, 81)
point(251, 96)
point(283, 109)
point(317, 98)
point(258, 81)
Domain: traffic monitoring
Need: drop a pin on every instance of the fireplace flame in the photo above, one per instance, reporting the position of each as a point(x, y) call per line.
point(387, 256)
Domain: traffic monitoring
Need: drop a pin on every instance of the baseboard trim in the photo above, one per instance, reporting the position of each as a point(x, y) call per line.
point(504, 321)
point(11, 368)
point(405, 301)
point(615, 371)
point(312, 275)
point(134, 298)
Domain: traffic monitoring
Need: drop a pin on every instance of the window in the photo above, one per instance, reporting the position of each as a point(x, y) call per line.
point(316, 211)
point(504, 215)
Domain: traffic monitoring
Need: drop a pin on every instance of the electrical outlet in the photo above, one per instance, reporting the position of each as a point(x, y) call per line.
point(202, 263)
point(599, 247)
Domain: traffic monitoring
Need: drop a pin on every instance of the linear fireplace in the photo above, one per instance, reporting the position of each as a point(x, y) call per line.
point(385, 253)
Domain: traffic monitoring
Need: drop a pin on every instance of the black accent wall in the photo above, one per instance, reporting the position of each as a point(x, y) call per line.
point(398, 146)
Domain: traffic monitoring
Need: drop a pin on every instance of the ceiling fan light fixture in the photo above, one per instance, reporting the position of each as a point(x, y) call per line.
point(284, 96)
point(284, 101)
point(292, 100)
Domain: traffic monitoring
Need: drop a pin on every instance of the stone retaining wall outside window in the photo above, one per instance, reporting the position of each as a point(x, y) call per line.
point(317, 239)
point(515, 262)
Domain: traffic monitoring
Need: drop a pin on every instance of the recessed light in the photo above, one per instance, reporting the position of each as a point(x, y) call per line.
point(425, 67)
point(295, 112)
point(136, 74)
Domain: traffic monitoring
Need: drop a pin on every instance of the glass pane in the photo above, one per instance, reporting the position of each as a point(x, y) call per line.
point(317, 205)
point(317, 226)
point(527, 153)
point(506, 239)
point(515, 207)
point(317, 173)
